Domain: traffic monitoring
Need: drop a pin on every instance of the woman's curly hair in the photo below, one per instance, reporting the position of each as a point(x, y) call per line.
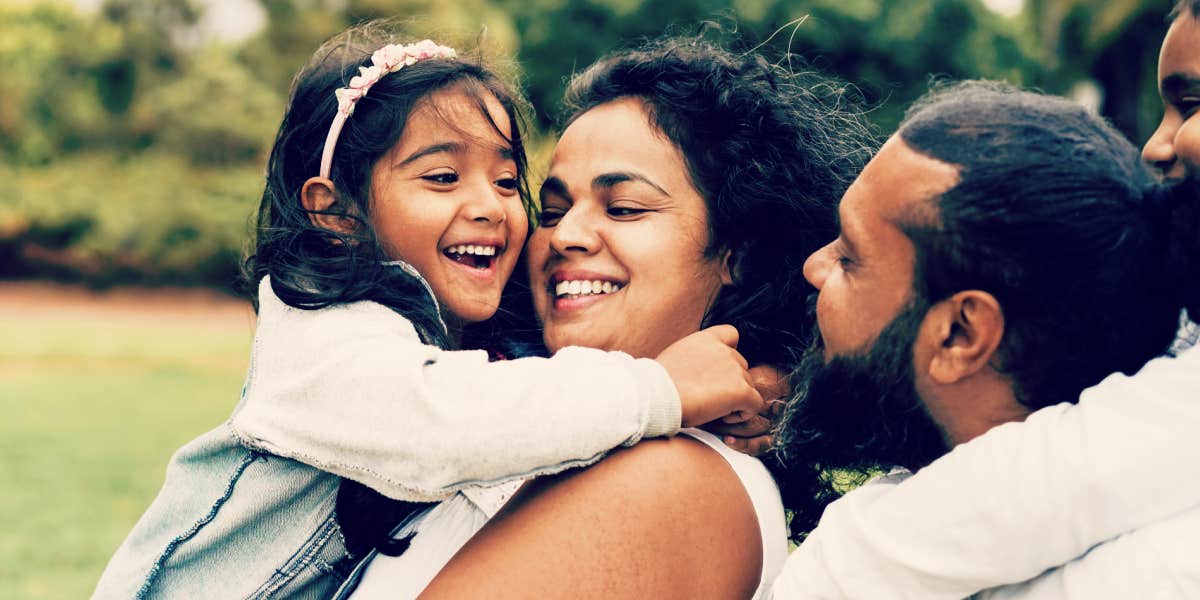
point(771, 149)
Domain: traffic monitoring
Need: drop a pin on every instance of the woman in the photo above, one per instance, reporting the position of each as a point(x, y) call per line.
point(687, 189)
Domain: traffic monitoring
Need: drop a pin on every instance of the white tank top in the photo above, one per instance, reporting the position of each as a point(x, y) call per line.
point(445, 528)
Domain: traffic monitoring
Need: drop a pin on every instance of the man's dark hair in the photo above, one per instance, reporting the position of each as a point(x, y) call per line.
point(1056, 217)
point(1191, 7)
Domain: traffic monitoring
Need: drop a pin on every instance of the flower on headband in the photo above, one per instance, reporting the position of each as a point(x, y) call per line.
point(388, 59)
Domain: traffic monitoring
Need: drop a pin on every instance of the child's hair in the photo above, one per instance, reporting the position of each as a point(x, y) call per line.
point(311, 266)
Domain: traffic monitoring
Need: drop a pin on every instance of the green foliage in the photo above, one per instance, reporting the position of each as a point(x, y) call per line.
point(127, 128)
point(151, 220)
point(221, 113)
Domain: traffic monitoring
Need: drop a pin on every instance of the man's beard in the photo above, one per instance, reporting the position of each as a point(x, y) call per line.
point(862, 412)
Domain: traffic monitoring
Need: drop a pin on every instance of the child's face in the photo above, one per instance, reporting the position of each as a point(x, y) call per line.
point(1175, 147)
point(445, 200)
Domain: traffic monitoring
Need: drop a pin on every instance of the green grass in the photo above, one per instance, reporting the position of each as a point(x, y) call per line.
point(92, 412)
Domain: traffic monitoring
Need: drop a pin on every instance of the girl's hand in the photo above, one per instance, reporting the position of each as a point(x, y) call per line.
point(752, 435)
point(710, 376)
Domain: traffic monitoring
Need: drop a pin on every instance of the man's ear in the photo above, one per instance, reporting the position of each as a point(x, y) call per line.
point(967, 329)
point(318, 196)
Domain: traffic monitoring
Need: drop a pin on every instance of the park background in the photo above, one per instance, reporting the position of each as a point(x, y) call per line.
point(133, 139)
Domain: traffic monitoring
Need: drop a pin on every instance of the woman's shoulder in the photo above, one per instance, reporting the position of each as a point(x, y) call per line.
point(669, 515)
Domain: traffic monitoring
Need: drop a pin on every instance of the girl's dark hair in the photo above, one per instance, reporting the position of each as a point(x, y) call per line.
point(1089, 256)
point(770, 150)
point(312, 267)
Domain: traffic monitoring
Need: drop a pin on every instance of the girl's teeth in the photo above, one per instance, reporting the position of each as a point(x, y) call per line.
point(472, 249)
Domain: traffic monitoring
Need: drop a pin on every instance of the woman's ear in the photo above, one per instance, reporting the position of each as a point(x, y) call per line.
point(968, 327)
point(728, 266)
point(319, 198)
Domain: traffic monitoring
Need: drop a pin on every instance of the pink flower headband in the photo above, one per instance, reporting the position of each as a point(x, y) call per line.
point(388, 59)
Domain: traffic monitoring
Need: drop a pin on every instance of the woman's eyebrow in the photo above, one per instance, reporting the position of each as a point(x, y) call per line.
point(556, 186)
point(609, 180)
point(448, 147)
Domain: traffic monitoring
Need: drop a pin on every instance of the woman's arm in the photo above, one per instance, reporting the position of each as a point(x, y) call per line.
point(665, 519)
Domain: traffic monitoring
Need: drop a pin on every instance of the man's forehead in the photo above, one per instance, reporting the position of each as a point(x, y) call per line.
point(899, 184)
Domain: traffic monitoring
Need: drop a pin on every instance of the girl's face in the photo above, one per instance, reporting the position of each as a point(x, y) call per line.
point(445, 200)
point(619, 262)
point(1175, 147)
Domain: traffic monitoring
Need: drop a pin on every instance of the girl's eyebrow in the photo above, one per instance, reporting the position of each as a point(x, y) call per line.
point(448, 147)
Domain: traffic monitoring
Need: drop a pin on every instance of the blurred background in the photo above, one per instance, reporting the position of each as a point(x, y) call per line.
point(133, 138)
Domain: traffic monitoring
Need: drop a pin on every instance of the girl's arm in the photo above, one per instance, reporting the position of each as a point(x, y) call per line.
point(351, 390)
point(1021, 499)
point(665, 519)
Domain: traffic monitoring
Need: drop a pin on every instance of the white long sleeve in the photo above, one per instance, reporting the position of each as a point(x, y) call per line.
point(1019, 500)
point(1156, 562)
point(350, 389)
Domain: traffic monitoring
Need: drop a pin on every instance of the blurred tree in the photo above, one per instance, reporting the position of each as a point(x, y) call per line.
point(218, 112)
point(1114, 43)
point(888, 49)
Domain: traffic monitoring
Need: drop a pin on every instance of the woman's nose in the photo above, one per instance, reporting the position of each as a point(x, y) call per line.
point(575, 232)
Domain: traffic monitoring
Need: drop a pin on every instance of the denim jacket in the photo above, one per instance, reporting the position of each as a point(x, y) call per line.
point(247, 509)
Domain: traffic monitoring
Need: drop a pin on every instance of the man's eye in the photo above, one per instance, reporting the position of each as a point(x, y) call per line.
point(441, 178)
point(1187, 106)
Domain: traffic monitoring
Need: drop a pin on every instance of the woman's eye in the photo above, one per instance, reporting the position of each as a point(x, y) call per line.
point(549, 217)
point(625, 211)
point(449, 178)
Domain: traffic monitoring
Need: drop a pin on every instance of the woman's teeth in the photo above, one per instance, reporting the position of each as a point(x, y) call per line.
point(585, 288)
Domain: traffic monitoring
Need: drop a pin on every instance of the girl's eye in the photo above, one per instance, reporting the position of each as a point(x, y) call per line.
point(625, 211)
point(550, 217)
point(507, 183)
point(448, 178)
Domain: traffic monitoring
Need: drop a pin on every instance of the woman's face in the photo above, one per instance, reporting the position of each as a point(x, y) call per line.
point(618, 262)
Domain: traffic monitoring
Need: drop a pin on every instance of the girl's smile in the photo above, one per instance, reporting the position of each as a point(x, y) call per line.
point(445, 200)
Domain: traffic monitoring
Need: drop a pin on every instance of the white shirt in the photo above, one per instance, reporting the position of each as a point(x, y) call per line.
point(442, 531)
point(1029, 500)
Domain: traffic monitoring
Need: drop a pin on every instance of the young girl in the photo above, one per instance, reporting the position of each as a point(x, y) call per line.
point(394, 212)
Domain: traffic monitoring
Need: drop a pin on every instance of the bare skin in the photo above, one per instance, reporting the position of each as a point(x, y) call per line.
point(667, 519)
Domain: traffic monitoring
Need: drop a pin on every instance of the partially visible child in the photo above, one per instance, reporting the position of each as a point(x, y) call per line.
point(1089, 500)
point(395, 209)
